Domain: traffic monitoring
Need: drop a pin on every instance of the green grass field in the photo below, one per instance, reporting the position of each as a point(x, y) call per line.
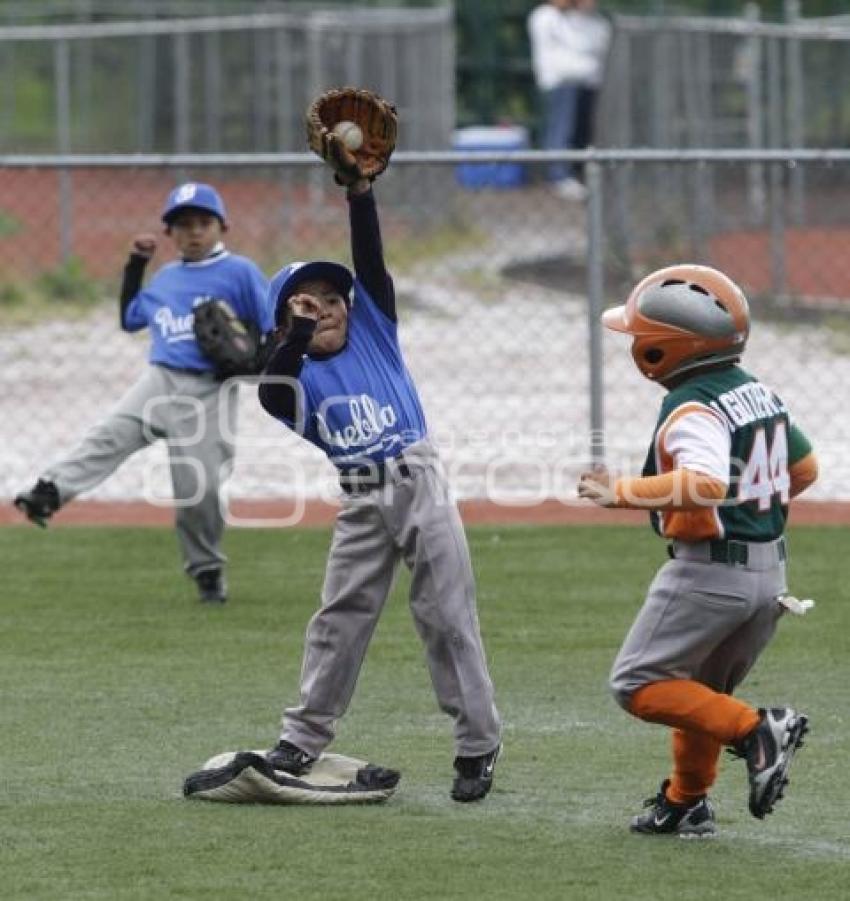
point(115, 684)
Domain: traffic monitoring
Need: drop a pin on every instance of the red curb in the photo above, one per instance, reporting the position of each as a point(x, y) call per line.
point(318, 513)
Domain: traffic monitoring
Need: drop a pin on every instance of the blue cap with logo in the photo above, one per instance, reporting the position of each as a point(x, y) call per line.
point(284, 283)
point(193, 195)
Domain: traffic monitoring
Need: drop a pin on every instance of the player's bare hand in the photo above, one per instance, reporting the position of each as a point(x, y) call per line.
point(144, 245)
point(597, 485)
point(304, 305)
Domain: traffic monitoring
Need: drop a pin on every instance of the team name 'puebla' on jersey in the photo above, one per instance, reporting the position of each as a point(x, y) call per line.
point(762, 442)
point(166, 305)
point(361, 404)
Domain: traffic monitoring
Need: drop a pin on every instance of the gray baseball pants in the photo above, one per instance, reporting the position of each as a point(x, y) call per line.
point(411, 518)
point(703, 619)
point(198, 420)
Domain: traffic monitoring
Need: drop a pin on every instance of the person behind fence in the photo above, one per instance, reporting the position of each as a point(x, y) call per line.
point(595, 31)
point(180, 396)
point(339, 378)
point(724, 461)
point(566, 53)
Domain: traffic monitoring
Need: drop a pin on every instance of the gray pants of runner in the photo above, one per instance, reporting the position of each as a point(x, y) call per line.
point(198, 420)
point(412, 519)
point(703, 620)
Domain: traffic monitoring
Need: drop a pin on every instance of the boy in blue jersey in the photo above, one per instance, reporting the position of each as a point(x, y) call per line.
point(723, 464)
point(340, 380)
point(179, 396)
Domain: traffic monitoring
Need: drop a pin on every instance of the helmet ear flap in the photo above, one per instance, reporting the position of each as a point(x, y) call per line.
point(648, 357)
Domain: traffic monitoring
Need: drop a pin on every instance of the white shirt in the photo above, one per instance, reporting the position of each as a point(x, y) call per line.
point(565, 47)
point(593, 33)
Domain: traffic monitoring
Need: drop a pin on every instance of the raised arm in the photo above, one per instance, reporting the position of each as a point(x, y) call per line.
point(141, 251)
point(366, 248)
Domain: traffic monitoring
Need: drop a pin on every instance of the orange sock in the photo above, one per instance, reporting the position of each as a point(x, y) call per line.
point(694, 766)
point(694, 707)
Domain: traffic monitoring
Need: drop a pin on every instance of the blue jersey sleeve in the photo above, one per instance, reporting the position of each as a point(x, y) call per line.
point(381, 331)
point(256, 288)
point(135, 315)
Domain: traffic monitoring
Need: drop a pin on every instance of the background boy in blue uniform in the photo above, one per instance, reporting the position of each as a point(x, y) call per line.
point(178, 397)
point(724, 462)
point(350, 394)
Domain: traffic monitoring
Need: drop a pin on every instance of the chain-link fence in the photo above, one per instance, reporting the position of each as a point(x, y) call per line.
point(219, 83)
point(201, 77)
point(676, 81)
point(499, 293)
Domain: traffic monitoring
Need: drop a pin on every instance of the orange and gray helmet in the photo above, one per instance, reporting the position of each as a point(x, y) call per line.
point(682, 317)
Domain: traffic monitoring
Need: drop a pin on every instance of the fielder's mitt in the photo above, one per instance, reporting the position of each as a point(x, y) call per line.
point(378, 124)
point(233, 346)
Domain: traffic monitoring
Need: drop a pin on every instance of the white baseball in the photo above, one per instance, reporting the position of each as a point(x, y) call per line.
point(349, 133)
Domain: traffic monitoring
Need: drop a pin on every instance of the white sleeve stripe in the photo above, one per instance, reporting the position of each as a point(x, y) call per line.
point(691, 406)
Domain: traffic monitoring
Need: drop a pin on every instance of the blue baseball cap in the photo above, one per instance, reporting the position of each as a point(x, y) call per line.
point(196, 196)
point(284, 283)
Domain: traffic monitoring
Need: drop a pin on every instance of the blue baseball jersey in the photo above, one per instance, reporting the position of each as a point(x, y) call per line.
point(166, 306)
point(361, 403)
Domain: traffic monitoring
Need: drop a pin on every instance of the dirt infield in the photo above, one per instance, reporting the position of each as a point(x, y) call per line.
point(278, 513)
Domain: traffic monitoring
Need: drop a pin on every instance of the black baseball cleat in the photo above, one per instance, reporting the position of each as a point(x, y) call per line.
point(39, 503)
point(666, 818)
point(212, 587)
point(769, 750)
point(290, 758)
point(474, 776)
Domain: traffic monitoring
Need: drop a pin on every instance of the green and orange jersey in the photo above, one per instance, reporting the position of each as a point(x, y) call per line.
point(726, 427)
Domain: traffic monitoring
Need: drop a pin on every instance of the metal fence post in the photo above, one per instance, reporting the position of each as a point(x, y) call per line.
point(263, 74)
point(182, 105)
point(755, 128)
point(146, 84)
point(620, 217)
point(212, 89)
point(595, 306)
point(284, 105)
point(796, 125)
point(62, 76)
point(7, 92)
point(777, 198)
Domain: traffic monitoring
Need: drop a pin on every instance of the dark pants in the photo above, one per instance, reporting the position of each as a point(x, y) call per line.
point(560, 105)
point(584, 122)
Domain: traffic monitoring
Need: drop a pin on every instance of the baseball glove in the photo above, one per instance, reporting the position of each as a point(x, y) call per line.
point(378, 124)
point(233, 346)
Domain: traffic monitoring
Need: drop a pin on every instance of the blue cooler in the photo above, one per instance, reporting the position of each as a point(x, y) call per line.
point(490, 138)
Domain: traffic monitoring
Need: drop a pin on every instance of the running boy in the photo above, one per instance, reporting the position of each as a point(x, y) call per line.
point(724, 461)
point(178, 397)
point(351, 395)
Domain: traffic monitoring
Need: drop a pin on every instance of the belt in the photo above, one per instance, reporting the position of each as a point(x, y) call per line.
point(368, 476)
point(185, 371)
point(751, 554)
